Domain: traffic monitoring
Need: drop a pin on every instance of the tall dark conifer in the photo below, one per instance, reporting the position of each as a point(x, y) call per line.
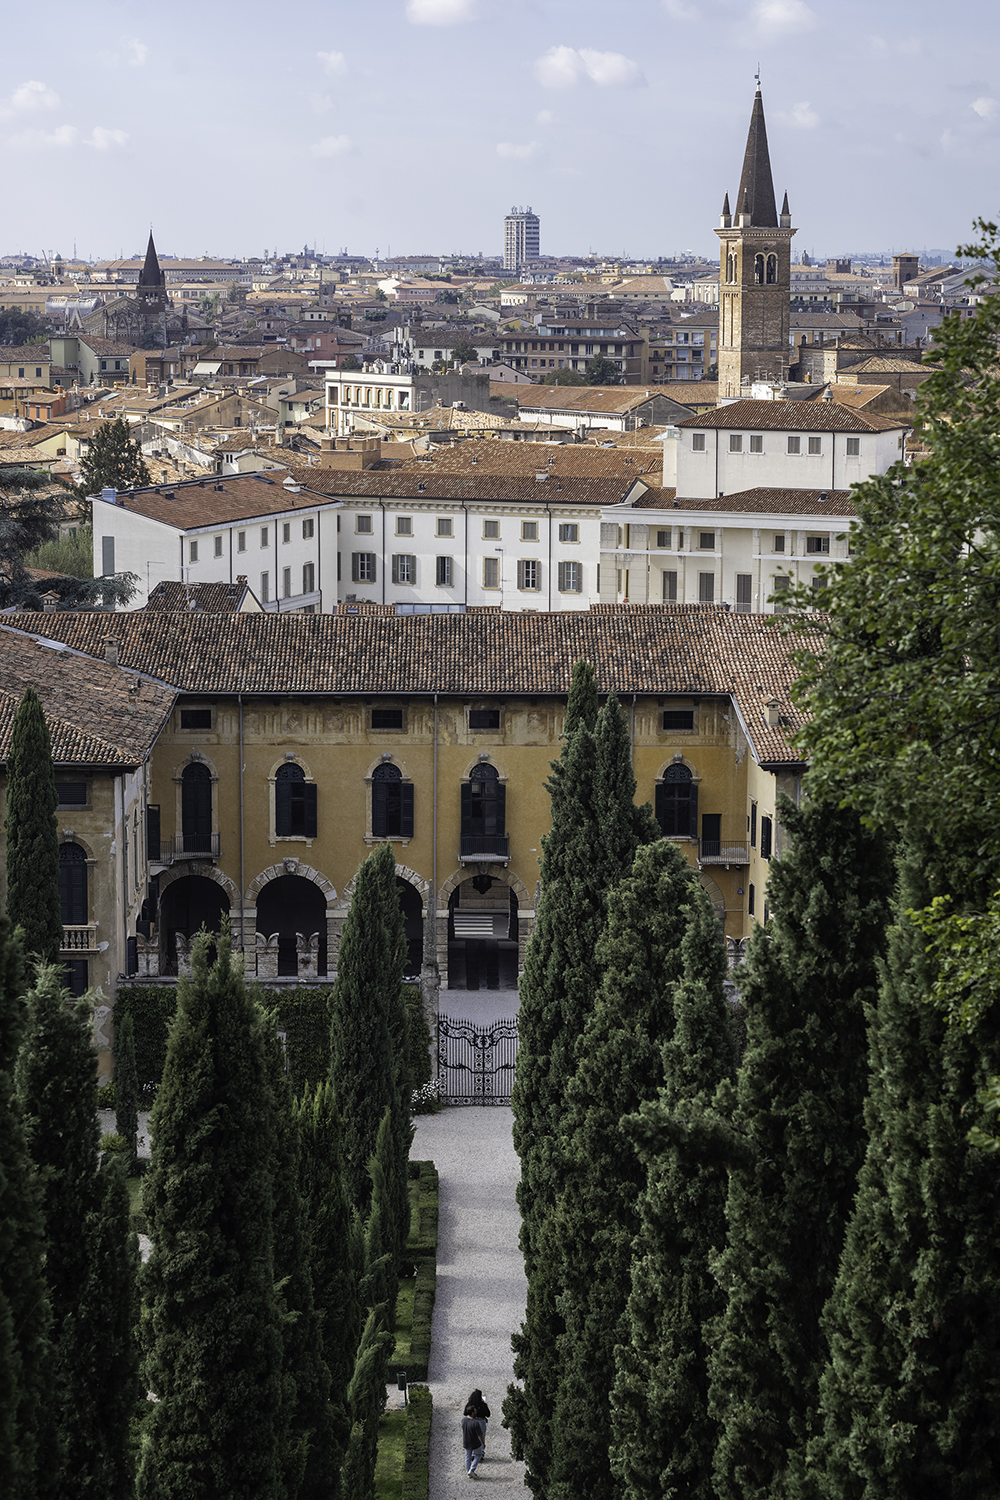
point(910, 1394)
point(401, 1124)
point(126, 1087)
point(619, 1066)
point(663, 1440)
point(32, 834)
point(211, 1320)
point(25, 1359)
point(800, 1092)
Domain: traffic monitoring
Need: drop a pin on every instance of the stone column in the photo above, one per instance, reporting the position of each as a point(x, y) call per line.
point(307, 955)
point(267, 955)
point(183, 955)
point(148, 952)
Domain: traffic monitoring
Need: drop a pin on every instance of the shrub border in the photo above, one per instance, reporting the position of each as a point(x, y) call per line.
point(417, 1459)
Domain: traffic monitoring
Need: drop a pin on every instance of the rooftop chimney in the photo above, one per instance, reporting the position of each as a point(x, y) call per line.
point(109, 495)
point(111, 650)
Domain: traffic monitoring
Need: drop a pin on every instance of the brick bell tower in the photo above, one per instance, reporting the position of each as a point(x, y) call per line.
point(754, 274)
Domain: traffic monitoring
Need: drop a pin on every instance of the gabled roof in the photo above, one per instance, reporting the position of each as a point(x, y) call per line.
point(756, 191)
point(170, 597)
point(801, 416)
point(765, 500)
point(584, 398)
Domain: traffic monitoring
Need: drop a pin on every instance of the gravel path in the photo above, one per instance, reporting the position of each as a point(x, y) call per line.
point(480, 1288)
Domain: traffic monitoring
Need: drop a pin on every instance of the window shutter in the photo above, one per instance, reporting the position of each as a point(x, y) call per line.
point(355, 558)
point(153, 832)
point(467, 807)
point(379, 789)
point(693, 827)
point(282, 808)
point(501, 805)
point(395, 568)
point(562, 577)
point(311, 824)
point(406, 812)
point(659, 805)
point(371, 567)
point(520, 575)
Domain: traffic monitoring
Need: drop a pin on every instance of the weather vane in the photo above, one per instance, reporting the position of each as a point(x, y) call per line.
point(757, 75)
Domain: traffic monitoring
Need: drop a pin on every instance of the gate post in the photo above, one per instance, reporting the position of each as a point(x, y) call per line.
point(430, 978)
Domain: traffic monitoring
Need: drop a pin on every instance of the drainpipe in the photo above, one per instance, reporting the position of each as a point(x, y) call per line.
point(434, 850)
point(548, 512)
point(243, 942)
point(465, 570)
point(631, 732)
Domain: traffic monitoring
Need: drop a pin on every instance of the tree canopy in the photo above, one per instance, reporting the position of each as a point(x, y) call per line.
point(113, 461)
point(564, 377)
point(31, 507)
point(601, 371)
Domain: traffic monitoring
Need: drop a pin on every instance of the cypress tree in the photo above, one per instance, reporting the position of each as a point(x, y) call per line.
point(589, 1238)
point(369, 975)
point(25, 1358)
point(663, 1439)
point(32, 834)
point(127, 1088)
point(57, 1088)
point(305, 1435)
point(581, 704)
point(399, 1042)
point(211, 1322)
point(800, 1091)
point(366, 1401)
point(335, 1275)
point(909, 1396)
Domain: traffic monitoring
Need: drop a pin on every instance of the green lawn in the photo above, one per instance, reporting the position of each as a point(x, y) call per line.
point(134, 1189)
point(391, 1454)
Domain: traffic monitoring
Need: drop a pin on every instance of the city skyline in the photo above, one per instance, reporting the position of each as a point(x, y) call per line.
point(615, 126)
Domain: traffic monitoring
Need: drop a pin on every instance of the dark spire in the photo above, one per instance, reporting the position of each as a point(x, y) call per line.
point(725, 207)
point(786, 212)
point(756, 186)
point(151, 276)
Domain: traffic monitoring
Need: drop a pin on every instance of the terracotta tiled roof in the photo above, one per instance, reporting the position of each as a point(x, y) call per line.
point(891, 364)
point(692, 392)
point(207, 502)
point(658, 649)
point(584, 398)
point(94, 712)
point(579, 460)
point(105, 347)
point(503, 488)
point(170, 597)
point(780, 501)
point(802, 416)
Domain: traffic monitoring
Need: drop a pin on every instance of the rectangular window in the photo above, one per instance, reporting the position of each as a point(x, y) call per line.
point(706, 541)
point(854, 447)
point(753, 825)
point(569, 531)
point(362, 567)
point(820, 581)
point(444, 526)
point(779, 541)
point(794, 445)
point(404, 568)
point(751, 901)
point(308, 529)
point(678, 718)
point(443, 572)
point(404, 525)
point(663, 538)
point(363, 525)
point(484, 718)
point(491, 572)
point(765, 838)
point(218, 546)
point(308, 578)
point(286, 583)
point(286, 531)
point(756, 442)
point(815, 445)
point(387, 718)
point(241, 541)
point(670, 587)
point(192, 551)
point(74, 793)
point(491, 530)
point(529, 531)
point(263, 536)
point(817, 544)
point(744, 596)
point(528, 573)
point(736, 442)
point(196, 718)
point(781, 585)
point(697, 442)
point(265, 588)
point(570, 578)
point(706, 588)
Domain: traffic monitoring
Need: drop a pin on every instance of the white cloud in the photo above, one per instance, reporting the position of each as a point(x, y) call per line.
point(802, 116)
point(441, 12)
point(139, 52)
point(28, 98)
point(320, 104)
point(332, 145)
point(783, 17)
point(985, 108)
point(545, 117)
point(911, 46)
point(877, 43)
point(679, 10)
point(62, 136)
point(512, 152)
point(102, 139)
point(562, 67)
point(334, 63)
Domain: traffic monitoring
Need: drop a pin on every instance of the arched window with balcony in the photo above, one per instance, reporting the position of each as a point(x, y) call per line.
point(196, 808)
point(295, 803)
point(74, 897)
point(484, 814)
point(676, 805)
point(392, 803)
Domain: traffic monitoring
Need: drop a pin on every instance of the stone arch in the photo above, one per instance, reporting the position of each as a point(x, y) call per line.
point(483, 760)
point(403, 872)
point(505, 876)
point(678, 760)
point(294, 760)
point(195, 757)
point(70, 836)
point(388, 758)
point(714, 893)
point(183, 868)
point(290, 866)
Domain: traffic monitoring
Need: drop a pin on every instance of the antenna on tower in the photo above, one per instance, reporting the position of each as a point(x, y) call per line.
point(757, 75)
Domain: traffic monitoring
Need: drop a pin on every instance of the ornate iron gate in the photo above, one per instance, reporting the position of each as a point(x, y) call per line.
point(476, 1062)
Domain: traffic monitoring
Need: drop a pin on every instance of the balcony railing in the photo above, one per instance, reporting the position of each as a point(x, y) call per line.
point(80, 938)
point(184, 846)
point(485, 848)
point(723, 852)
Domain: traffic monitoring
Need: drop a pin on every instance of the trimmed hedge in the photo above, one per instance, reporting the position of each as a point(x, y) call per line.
point(416, 1297)
point(423, 1236)
point(416, 1470)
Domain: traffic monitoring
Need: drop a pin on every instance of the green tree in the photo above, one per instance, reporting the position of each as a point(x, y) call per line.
point(32, 832)
point(564, 377)
point(18, 328)
point(72, 556)
point(112, 1392)
point(806, 984)
point(465, 352)
point(25, 1319)
point(619, 1066)
point(601, 371)
point(908, 1398)
point(366, 1400)
point(127, 1088)
point(350, 362)
point(211, 1320)
point(31, 509)
point(113, 460)
point(663, 1439)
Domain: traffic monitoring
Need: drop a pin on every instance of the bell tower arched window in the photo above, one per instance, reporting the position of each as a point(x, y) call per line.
point(73, 893)
point(392, 803)
point(772, 270)
point(295, 814)
point(196, 808)
point(758, 270)
point(677, 803)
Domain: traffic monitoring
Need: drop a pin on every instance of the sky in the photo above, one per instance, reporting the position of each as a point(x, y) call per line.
point(413, 126)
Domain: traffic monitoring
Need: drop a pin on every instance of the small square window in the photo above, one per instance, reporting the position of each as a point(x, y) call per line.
point(529, 531)
point(706, 541)
point(853, 447)
point(678, 718)
point(663, 538)
point(795, 445)
point(697, 442)
point(308, 529)
point(286, 531)
point(387, 718)
point(736, 442)
point(71, 793)
point(404, 525)
point(363, 524)
point(196, 718)
point(815, 445)
point(756, 442)
point(484, 718)
point(241, 541)
point(444, 526)
point(817, 544)
point(491, 530)
point(569, 531)
point(218, 546)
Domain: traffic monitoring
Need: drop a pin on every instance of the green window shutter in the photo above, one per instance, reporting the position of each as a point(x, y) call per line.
point(311, 822)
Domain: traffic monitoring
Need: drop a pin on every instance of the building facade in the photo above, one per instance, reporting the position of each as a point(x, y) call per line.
point(520, 238)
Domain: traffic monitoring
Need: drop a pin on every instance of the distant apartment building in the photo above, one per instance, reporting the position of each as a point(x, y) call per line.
point(569, 344)
point(520, 238)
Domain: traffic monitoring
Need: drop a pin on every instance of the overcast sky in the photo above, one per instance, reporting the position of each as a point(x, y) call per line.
point(414, 125)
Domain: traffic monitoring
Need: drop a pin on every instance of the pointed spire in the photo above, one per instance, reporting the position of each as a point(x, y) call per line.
point(151, 275)
point(785, 210)
point(756, 185)
point(725, 207)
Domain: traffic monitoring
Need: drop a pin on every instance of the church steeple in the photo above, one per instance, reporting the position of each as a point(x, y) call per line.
point(756, 184)
point(151, 276)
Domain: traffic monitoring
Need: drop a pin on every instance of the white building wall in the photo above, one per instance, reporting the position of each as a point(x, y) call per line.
point(719, 470)
point(149, 549)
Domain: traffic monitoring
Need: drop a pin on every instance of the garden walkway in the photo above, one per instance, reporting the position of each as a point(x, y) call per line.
point(480, 1287)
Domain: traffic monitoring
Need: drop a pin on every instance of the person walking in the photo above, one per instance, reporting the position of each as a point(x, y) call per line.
point(476, 1404)
point(473, 1440)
